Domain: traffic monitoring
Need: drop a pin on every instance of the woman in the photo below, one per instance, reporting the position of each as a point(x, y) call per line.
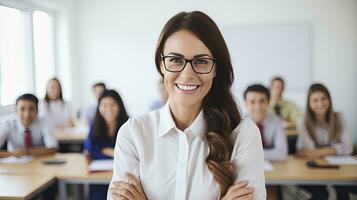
point(321, 132)
point(196, 146)
point(56, 112)
point(110, 116)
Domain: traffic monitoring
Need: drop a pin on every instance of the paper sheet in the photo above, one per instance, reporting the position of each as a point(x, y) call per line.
point(341, 160)
point(101, 165)
point(268, 166)
point(16, 160)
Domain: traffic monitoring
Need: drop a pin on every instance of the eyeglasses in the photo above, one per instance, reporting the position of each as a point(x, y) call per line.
point(178, 64)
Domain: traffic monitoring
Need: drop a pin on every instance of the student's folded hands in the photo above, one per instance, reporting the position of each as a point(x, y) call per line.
point(19, 152)
point(130, 190)
point(239, 191)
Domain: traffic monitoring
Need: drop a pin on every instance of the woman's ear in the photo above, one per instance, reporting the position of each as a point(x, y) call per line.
point(162, 68)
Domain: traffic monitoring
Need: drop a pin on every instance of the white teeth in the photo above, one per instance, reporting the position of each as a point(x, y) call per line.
point(187, 87)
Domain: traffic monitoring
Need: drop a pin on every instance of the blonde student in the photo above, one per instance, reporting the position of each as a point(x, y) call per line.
point(197, 146)
point(26, 134)
point(54, 110)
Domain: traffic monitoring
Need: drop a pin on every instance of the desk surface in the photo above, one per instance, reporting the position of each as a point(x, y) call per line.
point(295, 171)
point(70, 135)
point(23, 186)
point(76, 167)
point(292, 171)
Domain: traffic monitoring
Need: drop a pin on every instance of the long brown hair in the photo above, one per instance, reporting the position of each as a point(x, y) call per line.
point(221, 112)
point(60, 96)
point(99, 125)
point(332, 118)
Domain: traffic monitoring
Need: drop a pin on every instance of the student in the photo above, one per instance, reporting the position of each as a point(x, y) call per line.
point(321, 132)
point(56, 112)
point(110, 116)
point(196, 146)
point(282, 108)
point(26, 134)
point(163, 97)
point(271, 128)
point(89, 112)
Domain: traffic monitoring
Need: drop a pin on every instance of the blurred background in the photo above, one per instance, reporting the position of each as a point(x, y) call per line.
point(85, 41)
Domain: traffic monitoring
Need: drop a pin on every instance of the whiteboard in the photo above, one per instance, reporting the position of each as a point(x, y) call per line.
point(259, 52)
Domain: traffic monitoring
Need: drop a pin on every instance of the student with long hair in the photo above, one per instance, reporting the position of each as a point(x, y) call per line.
point(321, 132)
point(110, 116)
point(197, 146)
point(56, 112)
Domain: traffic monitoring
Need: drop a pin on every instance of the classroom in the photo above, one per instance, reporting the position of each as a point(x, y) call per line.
point(139, 100)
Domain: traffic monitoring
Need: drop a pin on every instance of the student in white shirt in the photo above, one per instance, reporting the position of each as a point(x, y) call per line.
point(321, 132)
point(26, 134)
point(55, 111)
point(271, 128)
point(89, 112)
point(196, 146)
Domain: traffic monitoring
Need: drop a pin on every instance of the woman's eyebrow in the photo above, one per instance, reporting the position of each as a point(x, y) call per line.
point(196, 56)
point(175, 54)
point(201, 55)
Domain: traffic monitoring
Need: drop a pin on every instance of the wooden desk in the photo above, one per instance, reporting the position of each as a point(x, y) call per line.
point(71, 135)
point(23, 186)
point(74, 171)
point(294, 171)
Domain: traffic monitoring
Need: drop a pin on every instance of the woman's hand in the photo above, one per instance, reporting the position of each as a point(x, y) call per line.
point(316, 153)
point(239, 191)
point(108, 151)
point(130, 190)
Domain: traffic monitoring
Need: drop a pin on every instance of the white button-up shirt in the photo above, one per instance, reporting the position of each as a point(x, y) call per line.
point(170, 163)
point(12, 131)
point(274, 138)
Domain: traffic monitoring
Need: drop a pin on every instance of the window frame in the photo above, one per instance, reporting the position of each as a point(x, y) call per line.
point(29, 8)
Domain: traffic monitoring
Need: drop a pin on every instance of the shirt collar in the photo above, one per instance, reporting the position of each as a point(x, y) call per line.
point(22, 127)
point(167, 123)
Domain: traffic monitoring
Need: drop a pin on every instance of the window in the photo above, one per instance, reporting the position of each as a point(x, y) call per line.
point(26, 52)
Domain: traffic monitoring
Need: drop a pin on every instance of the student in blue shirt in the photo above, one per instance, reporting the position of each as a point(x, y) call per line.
point(110, 116)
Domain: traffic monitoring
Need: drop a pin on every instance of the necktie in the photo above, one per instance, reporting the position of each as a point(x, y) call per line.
point(261, 130)
point(28, 138)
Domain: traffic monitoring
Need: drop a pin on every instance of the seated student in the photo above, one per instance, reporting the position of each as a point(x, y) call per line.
point(110, 116)
point(56, 112)
point(271, 128)
point(163, 97)
point(321, 132)
point(272, 133)
point(26, 134)
point(283, 108)
point(89, 112)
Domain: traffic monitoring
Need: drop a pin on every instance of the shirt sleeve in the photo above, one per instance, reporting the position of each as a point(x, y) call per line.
point(249, 159)
point(294, 112)
point(126, 157)
point(280, 149)
point(304, 141)
point(94, 148)
point(48, 136)
point(4, 132)
point(344, 146)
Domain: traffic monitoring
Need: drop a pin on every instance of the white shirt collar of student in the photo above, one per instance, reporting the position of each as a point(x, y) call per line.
point(167, 124)
point(21, 127)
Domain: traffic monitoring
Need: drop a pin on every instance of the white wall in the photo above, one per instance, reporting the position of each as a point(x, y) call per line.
point(115, 42)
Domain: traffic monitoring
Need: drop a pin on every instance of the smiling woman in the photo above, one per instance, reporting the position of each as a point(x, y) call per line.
point(196, 146)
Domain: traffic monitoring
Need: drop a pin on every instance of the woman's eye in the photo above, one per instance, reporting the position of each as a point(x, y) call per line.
point(200, 62)
point(175, 60)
